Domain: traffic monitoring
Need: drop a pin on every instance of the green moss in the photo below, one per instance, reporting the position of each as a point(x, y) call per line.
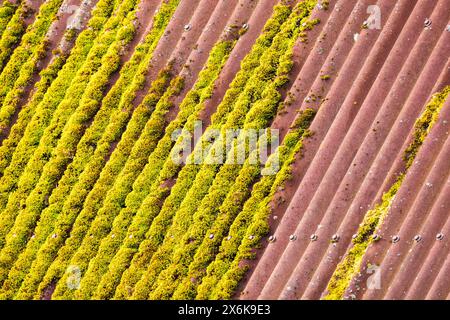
point(12, 32)
point(7, 10)
point(424, 124)
point(230, 111)
point(91, 163)
point(50, 92)
point(109, 246)
point(351, 264)
point(14, 178)
point(251, 224)
point(18, 62)
point(325, 4)
point(193, 184)
point(45, 168)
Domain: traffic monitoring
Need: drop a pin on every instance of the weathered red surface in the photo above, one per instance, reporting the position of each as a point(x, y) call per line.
point(378, 87)
point(379, 82)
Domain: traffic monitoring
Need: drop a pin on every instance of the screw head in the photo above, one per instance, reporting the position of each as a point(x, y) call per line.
point(292, 237)
point(313, 237)
point(427, 23)
point(211, 236)
point(187, 27)
point(245, 26)
point(272, 238)
point(395, 239)
point(335, 238)
point(439, 236)
point(417, 238)
point(376, 237)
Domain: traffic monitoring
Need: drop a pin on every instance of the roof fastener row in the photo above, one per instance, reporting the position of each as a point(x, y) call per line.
point(336, 237)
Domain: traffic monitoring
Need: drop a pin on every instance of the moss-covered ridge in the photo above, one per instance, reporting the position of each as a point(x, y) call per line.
point(351, 264)
point(252, 223)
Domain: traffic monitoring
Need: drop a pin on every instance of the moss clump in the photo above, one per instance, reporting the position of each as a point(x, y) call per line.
point(351, 264)
point(123, 185)
point(252, 222)
point(55, 152)
point(325, 4)
point(424, 124)
point(230, 111)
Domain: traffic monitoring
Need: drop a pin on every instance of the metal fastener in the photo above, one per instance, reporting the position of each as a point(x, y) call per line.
point(395, 239)
point(335, 238)
point(439, 236)
point(313, 237)
point(272, 238)
point(187, 27)
point(427, 23)
point(211, 236)
point(417, 238)
point(376, 237)
point(292, 237)
point(245, 26)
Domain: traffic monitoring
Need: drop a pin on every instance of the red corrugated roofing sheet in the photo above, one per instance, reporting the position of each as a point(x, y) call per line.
point(380, 82)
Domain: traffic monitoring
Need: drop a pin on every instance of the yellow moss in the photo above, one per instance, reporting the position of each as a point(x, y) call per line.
point(351, 264)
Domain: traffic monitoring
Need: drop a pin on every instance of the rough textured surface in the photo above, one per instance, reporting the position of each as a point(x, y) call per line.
point(378, 87)
point(91, 205)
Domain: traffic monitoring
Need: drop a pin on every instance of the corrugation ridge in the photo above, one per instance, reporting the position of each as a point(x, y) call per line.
point(322, 158)
point(372, 112)
point(409, 189)
point(354, 199)
point(344, 33)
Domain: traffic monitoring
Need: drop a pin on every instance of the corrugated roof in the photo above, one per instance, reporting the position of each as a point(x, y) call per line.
point(378, 87)
point(364, 214)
